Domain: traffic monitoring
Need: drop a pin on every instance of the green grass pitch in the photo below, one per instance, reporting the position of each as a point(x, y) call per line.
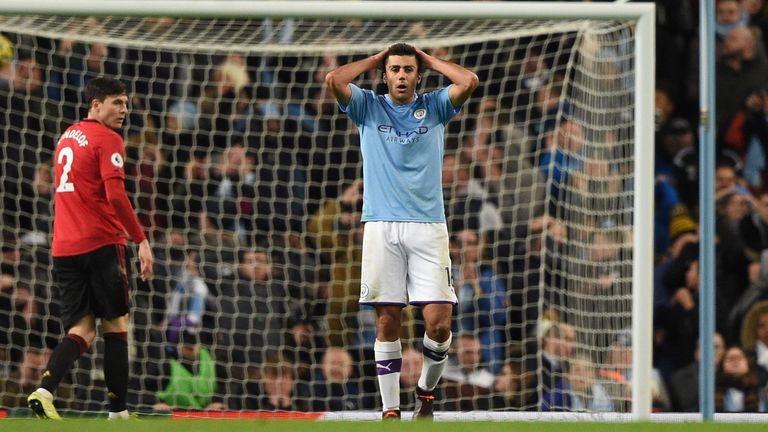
point(177, 425)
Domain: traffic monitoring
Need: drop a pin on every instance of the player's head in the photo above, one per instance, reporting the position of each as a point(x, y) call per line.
point(107, 101)
point(403, 49)
point(402, 72)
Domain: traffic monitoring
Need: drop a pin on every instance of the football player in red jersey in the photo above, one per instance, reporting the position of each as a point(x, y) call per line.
point(92, 214)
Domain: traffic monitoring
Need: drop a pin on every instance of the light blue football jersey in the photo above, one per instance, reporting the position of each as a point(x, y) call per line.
point(402, 148)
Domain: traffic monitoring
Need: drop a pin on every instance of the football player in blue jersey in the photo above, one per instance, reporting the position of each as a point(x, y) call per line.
point(405, 243)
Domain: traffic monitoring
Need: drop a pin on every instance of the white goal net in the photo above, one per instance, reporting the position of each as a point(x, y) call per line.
point(244, 173)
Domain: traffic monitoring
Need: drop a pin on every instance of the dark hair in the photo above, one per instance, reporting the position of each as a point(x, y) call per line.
point(102, 87)
point(403, 49)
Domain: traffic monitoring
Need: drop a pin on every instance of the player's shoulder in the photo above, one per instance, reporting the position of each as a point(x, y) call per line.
point(100, 133)
point(435, 93)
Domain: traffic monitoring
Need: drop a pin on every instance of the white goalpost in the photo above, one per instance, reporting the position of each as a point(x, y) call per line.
point(240, 166)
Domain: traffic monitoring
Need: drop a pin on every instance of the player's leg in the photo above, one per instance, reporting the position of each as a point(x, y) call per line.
point(430, 284)
point(437, 341)
point(383, 285)
point(75, 343)
point(78, 319)
point(116, 364)
point(389, 358)
point(109, 279)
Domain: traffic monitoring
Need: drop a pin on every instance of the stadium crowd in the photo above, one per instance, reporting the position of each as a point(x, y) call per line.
point(247, 179)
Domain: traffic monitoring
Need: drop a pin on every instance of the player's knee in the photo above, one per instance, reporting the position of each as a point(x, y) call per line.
point(87, 336)
point(439, 331)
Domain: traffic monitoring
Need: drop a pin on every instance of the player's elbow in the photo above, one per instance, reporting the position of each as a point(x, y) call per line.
point(115, 199)
point(339, 87)
point(332, 79)
point(471, 82)
point(115, 202)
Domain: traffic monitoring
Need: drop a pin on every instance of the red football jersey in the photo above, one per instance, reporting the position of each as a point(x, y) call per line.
point(87, 154)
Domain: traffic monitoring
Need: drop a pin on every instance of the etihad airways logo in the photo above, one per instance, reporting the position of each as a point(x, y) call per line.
point(402, 137)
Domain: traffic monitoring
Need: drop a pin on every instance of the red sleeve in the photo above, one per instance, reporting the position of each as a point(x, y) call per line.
point(112, 157)
point(117, 196)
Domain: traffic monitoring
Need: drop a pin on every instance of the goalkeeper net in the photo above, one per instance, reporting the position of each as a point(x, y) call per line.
point(246, 176)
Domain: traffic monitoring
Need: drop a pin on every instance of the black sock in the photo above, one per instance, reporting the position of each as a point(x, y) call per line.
point(116, 369)
point(64, 355)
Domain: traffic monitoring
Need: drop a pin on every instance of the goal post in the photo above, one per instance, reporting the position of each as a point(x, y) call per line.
point(557, 75)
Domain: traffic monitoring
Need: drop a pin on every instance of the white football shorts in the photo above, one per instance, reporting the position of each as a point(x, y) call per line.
point(406, 262)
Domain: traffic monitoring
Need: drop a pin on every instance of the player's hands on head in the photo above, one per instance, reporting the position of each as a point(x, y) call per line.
point(146, 260)
point(426, 59)
point(380, 57)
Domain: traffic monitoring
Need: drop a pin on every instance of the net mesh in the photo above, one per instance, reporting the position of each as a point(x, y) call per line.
point(245, 174)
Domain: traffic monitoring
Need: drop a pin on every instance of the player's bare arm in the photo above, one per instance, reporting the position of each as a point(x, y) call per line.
point(338, 79)
point(464, 80)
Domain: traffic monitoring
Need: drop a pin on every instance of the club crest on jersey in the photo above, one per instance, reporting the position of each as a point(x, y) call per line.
point(117, 160)
point(420, 113)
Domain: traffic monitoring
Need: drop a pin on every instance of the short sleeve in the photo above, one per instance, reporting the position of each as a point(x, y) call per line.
point(355, 108)
point(112, 157)
point(443, 105)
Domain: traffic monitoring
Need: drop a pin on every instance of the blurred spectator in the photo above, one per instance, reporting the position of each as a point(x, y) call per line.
point(482, 296)
point(736, 383)
point(465, 197)
point(678, 320)
point(587, 392)
point(537, 264)
point(25, 302)
point(753, 295)
point(728, 180)
point(223, 102)
point(598, 186)
point(757, 17)
point(252, 307)
point(488, 132)
point(36, 206)
point(561, 156)
point(557, 347)
point(733, 265)
point(741, 70)
point(150, 177)
point(82, 63)
point(466, 383)
point(334, 387)
point(617, 370)
point(521, 186)
point(28, 129)
point(190, 192)
point(729, 15)
point(684, 383)
point(409, 377)
point(193, 380)
point(277, 153)
point(753, 228)
point(16, 385)
point(751, 139)
point(275, 390)
point(754, 339)
point(189, 298)
point(228, 203)
point(664, 109)
point(508, 388)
